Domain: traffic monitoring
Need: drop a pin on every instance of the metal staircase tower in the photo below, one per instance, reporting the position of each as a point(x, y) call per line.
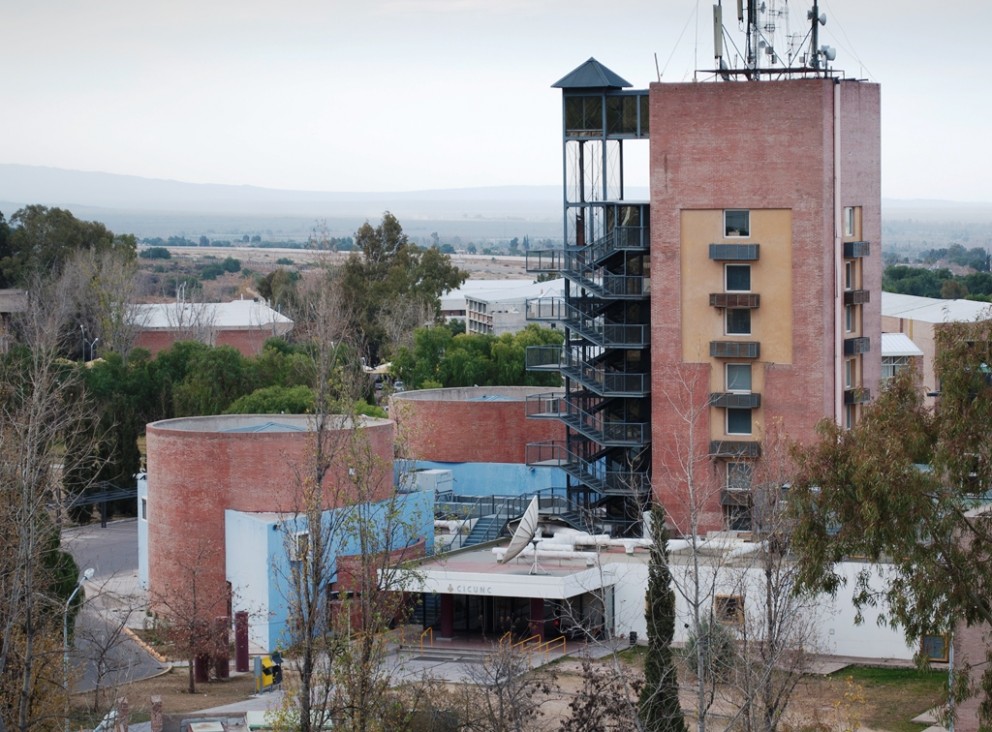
point(605, 361)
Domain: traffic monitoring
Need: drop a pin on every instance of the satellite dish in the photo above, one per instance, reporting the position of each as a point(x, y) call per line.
point(829, 52)
point(524, 533)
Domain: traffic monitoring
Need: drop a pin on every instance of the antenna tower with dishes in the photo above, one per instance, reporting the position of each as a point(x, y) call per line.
point(770, 49)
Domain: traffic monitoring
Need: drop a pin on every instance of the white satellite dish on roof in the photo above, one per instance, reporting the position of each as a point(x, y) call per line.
point(524, 534)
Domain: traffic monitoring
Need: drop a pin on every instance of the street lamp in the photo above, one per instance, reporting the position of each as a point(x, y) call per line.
point(93, 348)
point(87, 574)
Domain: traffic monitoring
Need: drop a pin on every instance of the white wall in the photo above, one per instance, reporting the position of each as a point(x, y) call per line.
point(246, 538)
point(142, 532)
point(837, 633)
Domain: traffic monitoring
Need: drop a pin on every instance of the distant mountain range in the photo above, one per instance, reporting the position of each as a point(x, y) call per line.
point(152, 207)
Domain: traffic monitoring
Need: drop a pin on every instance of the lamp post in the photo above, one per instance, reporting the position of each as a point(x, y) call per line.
point(92, 345)
point(87, 574)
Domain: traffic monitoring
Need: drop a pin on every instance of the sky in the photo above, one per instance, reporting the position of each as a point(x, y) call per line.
point(403, 95)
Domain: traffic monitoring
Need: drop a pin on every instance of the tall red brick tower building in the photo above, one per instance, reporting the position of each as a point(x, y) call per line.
point(762, 277)
point(766, 276)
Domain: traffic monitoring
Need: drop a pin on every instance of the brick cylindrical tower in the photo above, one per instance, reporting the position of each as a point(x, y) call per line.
point(198, 467)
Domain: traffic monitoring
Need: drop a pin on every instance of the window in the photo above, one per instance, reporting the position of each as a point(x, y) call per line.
point(935, 648)
point(849, 221)
point(892, 365)
point(737, 222)
point(850, 416)
point(738, 421)
point(850, 373)
point(738, 321)
point(144, 508)
point(737, 518)
point(739, 476)
point(848, 275)
point(849, 318)
point(737, 277)
point(739, 377)
point(300, 546)
point(729, 609)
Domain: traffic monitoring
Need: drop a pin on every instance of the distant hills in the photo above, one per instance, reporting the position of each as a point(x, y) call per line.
point(151, 207)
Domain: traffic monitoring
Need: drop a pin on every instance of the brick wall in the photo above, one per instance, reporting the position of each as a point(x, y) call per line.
point(196, 471)
point(452, 425)
point(766, 145)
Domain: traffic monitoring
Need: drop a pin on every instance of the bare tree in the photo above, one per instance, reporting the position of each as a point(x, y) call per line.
point(189, 608)
point(38, 409)
point(103, 642)
point(505, 694)
point(343, 503)
point(106, 292)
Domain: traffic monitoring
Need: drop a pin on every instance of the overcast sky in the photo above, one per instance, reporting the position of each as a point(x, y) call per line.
point(398, 95)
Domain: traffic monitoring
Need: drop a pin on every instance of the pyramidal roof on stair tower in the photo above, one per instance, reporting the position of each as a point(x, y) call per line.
point(591, 75)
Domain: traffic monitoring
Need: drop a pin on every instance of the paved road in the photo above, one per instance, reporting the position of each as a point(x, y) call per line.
point(102, 651)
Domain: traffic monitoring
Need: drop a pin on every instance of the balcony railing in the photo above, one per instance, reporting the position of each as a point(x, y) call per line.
point(856, 249)
point(735, 349)
point(734, 252)
point(860, 395)
point(735, 449)
point(595, 475)
point(735, 299)
point(857, 297)
point(731, 400)
point(854, 346)
point(598, 329)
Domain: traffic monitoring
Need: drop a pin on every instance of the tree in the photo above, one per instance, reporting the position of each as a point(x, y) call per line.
point(904, 486)
point(37, 412)
point(388, 274)
point(41, 240)
point(505, 694)
point(660, 710)
point(343, 503)
point(189, 610)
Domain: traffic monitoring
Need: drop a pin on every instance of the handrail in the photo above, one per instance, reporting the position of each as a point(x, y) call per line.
point(525, 641)
point(548, 646)
point(507, 635)
point(429, 631)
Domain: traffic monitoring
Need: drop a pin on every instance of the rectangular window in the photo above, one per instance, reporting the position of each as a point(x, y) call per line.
point(850, 416)
point(892, 365)
point(849, 318)
point(737, 222)
point(737, 277)
point(729, 609)
point(300, 546)
point(738, 421)
point(849, 221)
point(737, 518)
point(739, 476)
point(848, 275)
point(935, 648)
point(739, 377)
point(850, 373)
point(738, 321)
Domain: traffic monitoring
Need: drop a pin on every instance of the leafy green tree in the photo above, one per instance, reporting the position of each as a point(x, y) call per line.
point(659, 705)
point(218, 376)
point(40, 240)
point(904, 486)
point(274, 400)
point(155, 253)
point(391, 286)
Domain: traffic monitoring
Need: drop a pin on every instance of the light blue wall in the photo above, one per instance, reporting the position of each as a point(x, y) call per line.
point(263, 582)
point(500, 479)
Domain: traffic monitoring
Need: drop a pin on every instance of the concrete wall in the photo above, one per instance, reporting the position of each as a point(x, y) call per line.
point(142, 532)
point(836, 632)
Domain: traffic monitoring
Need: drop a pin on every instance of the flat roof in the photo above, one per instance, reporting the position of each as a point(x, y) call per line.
point(476, 394)
point(475, 571)
point(234, 315)
point(932, 309)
